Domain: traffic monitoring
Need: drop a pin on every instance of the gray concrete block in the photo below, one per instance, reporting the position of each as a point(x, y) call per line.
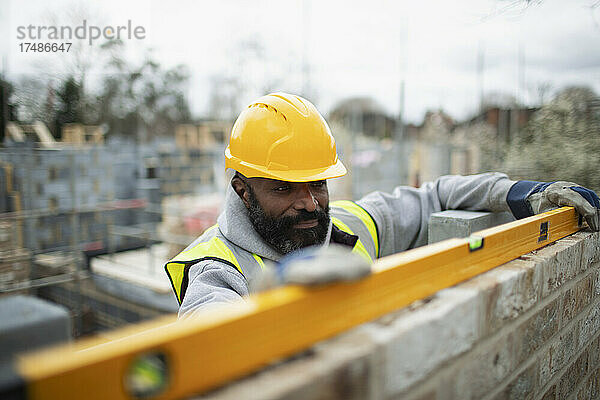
point(461, 223)
point(28, 323)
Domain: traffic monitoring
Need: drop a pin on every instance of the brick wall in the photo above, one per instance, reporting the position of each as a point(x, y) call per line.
point(529, 329)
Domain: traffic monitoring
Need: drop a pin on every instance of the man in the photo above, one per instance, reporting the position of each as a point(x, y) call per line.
point(282, 152)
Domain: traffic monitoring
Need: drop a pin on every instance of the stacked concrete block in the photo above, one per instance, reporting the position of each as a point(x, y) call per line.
point(15, 270)
point(15, 266)
point(66, 179)
point(190, 171)
point(148, 190)
point(529, 329)
point(124, 167)
point(53, 263)
point(7, 235)
point(59, 181)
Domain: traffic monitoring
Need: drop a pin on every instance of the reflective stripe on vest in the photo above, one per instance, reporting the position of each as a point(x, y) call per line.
point(359, 248)
point(259, 260)
point(364, 216)
point(214, 249)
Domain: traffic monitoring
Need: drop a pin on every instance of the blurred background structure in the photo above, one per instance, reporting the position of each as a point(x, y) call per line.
point(112, 153)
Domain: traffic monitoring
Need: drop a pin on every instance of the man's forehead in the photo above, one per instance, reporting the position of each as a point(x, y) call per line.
point(269, 181)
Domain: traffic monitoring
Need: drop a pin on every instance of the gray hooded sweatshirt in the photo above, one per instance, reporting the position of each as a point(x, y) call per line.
point(401, 218)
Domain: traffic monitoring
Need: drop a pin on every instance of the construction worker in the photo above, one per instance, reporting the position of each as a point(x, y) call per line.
point(281, 152)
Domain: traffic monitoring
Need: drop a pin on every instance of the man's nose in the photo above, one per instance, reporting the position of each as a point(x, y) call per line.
point(305, 200)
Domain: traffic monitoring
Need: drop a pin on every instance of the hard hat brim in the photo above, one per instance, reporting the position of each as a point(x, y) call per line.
point(257, 171)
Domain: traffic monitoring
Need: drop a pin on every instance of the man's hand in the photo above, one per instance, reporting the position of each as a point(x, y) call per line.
point(547, 196)
point(315, 266)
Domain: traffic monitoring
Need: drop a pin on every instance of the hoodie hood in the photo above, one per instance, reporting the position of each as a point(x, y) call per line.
point(235, 225)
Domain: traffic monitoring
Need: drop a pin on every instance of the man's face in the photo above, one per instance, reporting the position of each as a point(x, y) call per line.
point(288, 215)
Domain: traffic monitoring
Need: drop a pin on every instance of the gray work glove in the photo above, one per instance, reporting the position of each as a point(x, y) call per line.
point(314, 266)
point(545, 197)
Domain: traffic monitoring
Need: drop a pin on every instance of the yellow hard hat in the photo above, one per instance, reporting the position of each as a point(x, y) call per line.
point(283, 136)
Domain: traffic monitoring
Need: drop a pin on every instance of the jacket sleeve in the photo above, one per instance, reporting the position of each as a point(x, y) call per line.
point(212, 282)
point(403, 215)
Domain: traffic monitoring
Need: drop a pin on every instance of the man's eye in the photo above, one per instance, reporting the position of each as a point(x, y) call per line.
point(318, 184)
point(281, 188)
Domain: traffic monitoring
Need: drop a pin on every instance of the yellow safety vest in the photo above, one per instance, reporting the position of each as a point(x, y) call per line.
point(214, 247)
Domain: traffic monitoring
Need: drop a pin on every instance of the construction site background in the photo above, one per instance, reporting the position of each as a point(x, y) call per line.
point(112, 162)
point(88, 220)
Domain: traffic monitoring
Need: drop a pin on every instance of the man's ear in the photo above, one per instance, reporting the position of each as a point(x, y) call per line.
point(241, 188)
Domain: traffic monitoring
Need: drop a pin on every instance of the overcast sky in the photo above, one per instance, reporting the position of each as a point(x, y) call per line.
point(344, 48)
